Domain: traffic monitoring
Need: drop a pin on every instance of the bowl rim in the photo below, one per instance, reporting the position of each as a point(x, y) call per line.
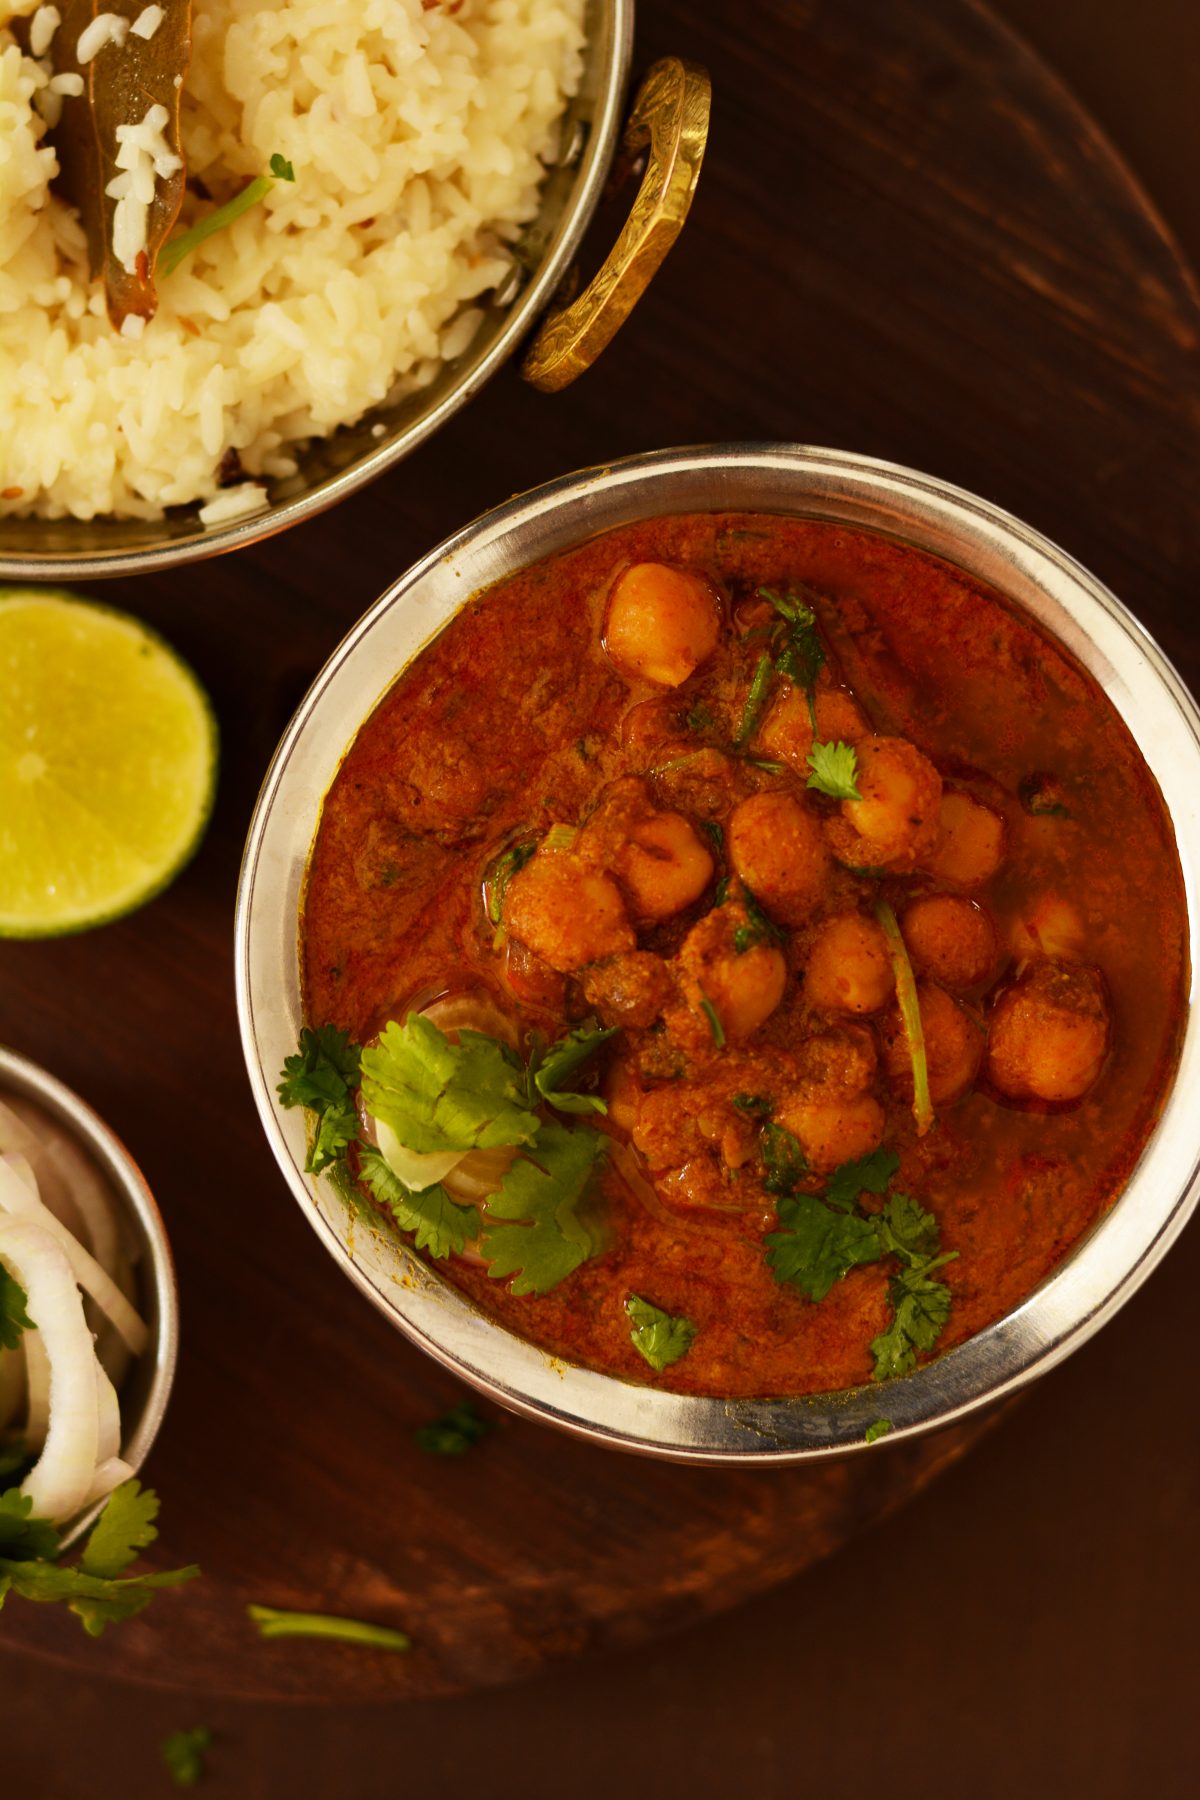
point(156, 1270)
point(615, 51)
point(1113, 1258)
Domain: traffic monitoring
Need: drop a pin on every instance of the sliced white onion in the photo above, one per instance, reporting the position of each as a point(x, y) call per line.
point(17, 1138)
point(62, 1166)
point(37, 1377)
point(108, 1414)
point(18, 1201)
point(60, 1480)
point(417, 1169)
point(479, 1174)
point(108, 1476)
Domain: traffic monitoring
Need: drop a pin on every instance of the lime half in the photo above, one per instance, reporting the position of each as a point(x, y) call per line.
point(108, 751)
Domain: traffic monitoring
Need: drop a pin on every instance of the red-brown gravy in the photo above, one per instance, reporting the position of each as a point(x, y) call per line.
point(514, 719)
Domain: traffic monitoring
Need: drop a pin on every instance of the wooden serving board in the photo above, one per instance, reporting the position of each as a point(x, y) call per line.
point(909, 241)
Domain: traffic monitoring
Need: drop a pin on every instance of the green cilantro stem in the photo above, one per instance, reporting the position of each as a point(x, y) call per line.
point(910, 1013)
point(274, 1623)
point(756, 699)
point(714, 1020)
point(182, 246)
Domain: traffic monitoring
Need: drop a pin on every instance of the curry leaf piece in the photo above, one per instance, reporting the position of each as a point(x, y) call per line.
point(127, 83)
point(223, 216)
point(877, 1429)
point(22, 1537)
point(921, 1309)
point(14, 1320)
point(274, 1622)
point(124, 1527)
point(322, 1076)
point(543, 1238)
point(866, 1175)
point(661, 1337)
point(817, 1247)
point(183, 1753)
point(834, 771)
point(441, 1225)
point(561, 1060)
point(96, 1601)
point(910, 1016)
point(784, 1157)
point(441, 1096)
point(756, 700)
point(455, 1432)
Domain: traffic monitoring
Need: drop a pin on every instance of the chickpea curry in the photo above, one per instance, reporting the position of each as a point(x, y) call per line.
point(744, 953)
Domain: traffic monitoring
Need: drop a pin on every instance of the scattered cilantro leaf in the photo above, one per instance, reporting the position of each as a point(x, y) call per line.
point(97, 1602)
point(784, 1157)
point(714, 1020)
point(817, 1247)
point(758, 929)
point(322, 1076)
point(274, 1622)
point(803, 654)
point(867, 1175)
point(661, 1337)
point(756, 700)
point(755, 1106)
point(715, 835)
point(560, 1061)
point(910, 1015)
point(908, 1230)
point(14, 1320)
point(22, 1537)
point(281, 168)
point(834, 771)
point(13, 1456)
point(124, 1527)
point(878, 1428)
point(440, 1224)
point(173, 253)
point(542, 1239)
point(183, 1754)
point(921, 1309)
point(501, 874)
point(454, 1432)
point(441, 1096)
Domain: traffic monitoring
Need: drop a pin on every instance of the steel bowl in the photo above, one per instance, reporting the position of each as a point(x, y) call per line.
point(668, 122)
point(146, 1386)
point(1103, 1270)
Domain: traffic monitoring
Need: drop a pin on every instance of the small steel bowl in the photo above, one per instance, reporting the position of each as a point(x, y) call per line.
point(1103, 1270)
point(146, 1387)
point(668, 122)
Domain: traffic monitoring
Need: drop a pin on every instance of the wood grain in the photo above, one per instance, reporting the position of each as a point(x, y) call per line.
point(907, 241)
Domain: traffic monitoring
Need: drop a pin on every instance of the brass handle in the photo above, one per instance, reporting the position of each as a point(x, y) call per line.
point(670, 116)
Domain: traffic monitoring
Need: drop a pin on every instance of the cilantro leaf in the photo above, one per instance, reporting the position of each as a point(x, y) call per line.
point(877, 1429)
point(922, 1307)
point(803, 655)
point(560, 1061)
point(455, 1432)
point(323, 1076)
point(867, 1175)
point(502, 872)
point(14, 1320)
point(715, 833)
point(784, 1157)
point(441, 1096)
point(714, 1020)
point(13, 1455)
point(97, 1602)
point(183, 1753)
point(274, 1622)
point(441, 1225)
point(908, 1230)
point(23, 1538)
point(756, 700)
point(661, 1337)
point(281, 168)
point(758, 929)
point(755, 1106)
point(817, 1247)
point(834, 771)
point(124, 1527)
point(546, 1240)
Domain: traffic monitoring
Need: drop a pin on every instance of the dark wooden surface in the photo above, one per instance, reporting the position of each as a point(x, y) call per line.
point(907, 241)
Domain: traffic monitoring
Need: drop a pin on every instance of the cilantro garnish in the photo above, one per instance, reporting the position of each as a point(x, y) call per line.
point(803, 655)
point(821, 1238)
point(274, 1622)
point(502, 872)
point(543, 1239)
point(454, 1432)
point(14, 1320)
point(758, 929)
point(714, 1020)
point(662, 1338)
point(94, 1588)
point(183, 1753)
point(755, 1106)
point(910, 1015)
point(13, 1456)
point(323, 1076)
point(715, 835)
point(173, 253)
point(756, 700)
point(440, 1224)
point(877, 1429)
point(547, 1071)
point(441, 1096)
point(834, 771)
point(784, 1157)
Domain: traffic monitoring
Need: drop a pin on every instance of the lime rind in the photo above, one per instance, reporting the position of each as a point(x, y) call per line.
point(108, 763)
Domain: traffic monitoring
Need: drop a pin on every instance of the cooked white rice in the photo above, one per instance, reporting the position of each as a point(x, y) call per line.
point(419, 140)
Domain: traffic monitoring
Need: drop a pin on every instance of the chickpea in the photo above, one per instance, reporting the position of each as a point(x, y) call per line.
point(1049, 1033)
point(970, 842)
point(662, 866)
point(786, 733)
point(629, 990)
point(848, 968)
point(566, 913)
point(954, 1045)
point(742, 990)
point(834, 1128)
point(661, 623)
point(895, 823)
point(951, 939)
point(777, 848)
